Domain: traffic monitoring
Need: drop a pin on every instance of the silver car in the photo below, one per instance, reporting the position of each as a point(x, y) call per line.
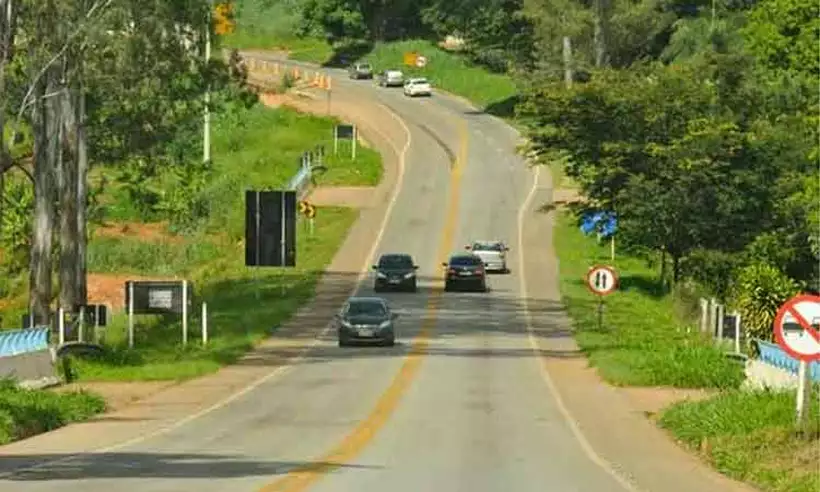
point(391, 78)
point(492, 253)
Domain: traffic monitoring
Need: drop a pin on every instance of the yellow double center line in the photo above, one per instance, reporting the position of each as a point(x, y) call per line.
point(354, 443)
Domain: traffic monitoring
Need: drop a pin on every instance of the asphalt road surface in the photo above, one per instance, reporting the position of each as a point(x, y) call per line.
point(469, 412)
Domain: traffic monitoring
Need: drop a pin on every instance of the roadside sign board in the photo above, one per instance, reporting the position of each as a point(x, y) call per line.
point(602, 280)
point(797, 327)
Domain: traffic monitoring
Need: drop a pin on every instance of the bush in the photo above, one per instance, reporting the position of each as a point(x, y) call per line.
point(758, 291)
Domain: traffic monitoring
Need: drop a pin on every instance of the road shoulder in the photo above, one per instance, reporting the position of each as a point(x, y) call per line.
point(622, 435)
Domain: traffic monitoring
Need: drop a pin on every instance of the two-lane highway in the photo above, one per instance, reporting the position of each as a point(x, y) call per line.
point(458, 404)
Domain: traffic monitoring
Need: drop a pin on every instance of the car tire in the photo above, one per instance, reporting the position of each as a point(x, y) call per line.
point(414, 287)
point(390, 342)
point(376, 288)
point(343, 342)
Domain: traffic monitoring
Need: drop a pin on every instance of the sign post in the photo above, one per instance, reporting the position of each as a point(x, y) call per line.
point(601, 281)
point(797, 331)
point(157, 297)
point(345, 132)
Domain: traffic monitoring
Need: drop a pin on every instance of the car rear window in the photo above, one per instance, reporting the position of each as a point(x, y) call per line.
point(366, 308)
point(465, 261)
point(488, 247)
point(419, 81)
point(364, 66)
point(395, 262)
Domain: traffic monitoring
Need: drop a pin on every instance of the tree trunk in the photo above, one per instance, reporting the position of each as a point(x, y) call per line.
point(81, 279)
point(675, 269)
point(68, 202)
point(601, 41)
point(45, 122)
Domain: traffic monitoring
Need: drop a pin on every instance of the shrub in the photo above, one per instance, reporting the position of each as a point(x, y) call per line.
point(759, 290)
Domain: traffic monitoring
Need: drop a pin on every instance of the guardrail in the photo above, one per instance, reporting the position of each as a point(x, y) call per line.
point(27, 357)
point(16, 342)
point(775, 356)
point(300, 182)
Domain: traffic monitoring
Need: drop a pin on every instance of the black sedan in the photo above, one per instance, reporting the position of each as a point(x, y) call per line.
point(366, 319)
point(395, 271)
point(465, 271)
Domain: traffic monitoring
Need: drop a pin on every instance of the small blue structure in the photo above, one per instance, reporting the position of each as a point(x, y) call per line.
point(773, 355)
point(16, 342)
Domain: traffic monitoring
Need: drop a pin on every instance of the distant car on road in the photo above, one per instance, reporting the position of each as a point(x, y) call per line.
point(361, 71)
point(366, 319)
point(465, 271)
point(395, 271)
point(391, 78)
point(492, 253)
point(417, 87)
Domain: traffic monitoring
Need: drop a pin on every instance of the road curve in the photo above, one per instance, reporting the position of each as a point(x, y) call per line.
point(459, 404)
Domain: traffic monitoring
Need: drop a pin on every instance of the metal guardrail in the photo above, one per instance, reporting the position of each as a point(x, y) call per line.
point(773, 355)
point(16, 342)
point(300, 182)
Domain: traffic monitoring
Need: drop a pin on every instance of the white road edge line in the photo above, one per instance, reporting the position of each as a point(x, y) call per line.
point(562, 408)
point(280, 370)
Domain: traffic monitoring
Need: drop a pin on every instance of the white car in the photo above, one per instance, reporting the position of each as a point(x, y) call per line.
point(492, 253)
point(417, 87)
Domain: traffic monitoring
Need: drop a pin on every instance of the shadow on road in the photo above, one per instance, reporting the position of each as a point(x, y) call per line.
point(150, 465)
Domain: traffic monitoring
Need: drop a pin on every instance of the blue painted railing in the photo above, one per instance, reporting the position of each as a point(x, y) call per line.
point(15, 342)
point(773, 355)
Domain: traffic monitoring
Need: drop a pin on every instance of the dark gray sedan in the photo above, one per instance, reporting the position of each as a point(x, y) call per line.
point(366, 319)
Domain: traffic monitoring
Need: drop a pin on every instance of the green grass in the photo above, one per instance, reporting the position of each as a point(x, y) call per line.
point(256, 149)
point(130, 255)
point(269, 25)
point(24, 413)
point(750, 436)
point(342, 170)
point(643, 342)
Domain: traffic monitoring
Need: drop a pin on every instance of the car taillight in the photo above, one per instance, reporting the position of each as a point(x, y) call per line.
point(479, 270)
point(452, 270)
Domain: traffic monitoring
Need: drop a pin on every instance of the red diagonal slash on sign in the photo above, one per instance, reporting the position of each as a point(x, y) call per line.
point(803, 322)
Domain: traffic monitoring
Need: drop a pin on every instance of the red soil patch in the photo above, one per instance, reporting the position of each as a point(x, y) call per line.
point(273, 100)
point(155, 231)
point(109, 288)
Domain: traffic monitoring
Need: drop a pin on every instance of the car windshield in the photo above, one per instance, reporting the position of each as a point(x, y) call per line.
point(465, 261)
point(395, 261)
point(488, 247)
point(365, 308)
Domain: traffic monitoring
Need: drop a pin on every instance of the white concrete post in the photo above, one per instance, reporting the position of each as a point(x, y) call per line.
point(130, 314)
point(61, 326)
point(184, 313)
point(204, 323)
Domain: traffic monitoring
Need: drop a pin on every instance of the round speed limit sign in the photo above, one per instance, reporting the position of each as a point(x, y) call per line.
point(602, 280)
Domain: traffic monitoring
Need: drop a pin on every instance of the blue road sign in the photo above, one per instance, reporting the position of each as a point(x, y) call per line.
point(604, 222)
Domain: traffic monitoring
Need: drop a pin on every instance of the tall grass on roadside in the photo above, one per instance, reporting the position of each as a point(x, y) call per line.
point(644, 341)
point(750, 436)
point(24, 413)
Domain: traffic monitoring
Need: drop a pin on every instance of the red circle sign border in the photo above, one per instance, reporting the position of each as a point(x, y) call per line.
point(611, 272)
point(778, 326)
